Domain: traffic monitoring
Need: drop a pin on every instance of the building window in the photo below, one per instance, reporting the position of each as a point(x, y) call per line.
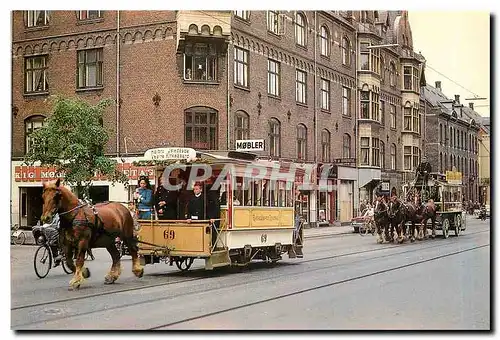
point(301, 86)
point(242, 125)
point(346, 146)
point(325, 94)
point(382, 70)
point(273, 77)
point(407, 118)
point(416, 157)
point(301, 142)
point(88, 15)
point(300, 29)
point(445, 162)
point(440, 133)
point(364, 57)
point(36, 18)
point(200, 62)
point(365, 151)
point(346, 55)
point(36, 79)
point(365, 104)
point(375, 60)
point(325, 146)
point(90, 68)
point(407, 157)
point(375, 106)
point(273, 22)
point(382, 154)
point(416, 120)
point(375, 152)
point(274, 138)
point(393, 157)
point(240, 67)
point(441, 162)
point(30, 125)
point(392, 74)
point(411, 78)
point(393, 115)
point(245, 15)
point(370, 106)
point(201, 128)
point(382, 112)
point(346, 101)
point(324, 38)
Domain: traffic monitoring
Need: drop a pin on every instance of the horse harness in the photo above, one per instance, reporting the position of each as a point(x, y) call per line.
point(83, 221)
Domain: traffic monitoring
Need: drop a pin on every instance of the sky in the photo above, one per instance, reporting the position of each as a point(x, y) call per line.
point(457, 45)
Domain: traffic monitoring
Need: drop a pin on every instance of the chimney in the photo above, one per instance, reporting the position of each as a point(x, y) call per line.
point(457, 99)
point(471, 105)
point(438, 85)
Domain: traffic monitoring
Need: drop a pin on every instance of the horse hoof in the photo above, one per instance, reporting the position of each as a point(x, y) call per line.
point(86, 273)
point(109, 280)
point(74, 286)
point(412, 240)
point(141, 273)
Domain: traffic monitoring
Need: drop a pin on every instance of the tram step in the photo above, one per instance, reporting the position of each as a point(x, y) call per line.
point(219, 258)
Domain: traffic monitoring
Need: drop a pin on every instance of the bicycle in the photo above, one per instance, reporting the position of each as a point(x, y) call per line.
point(17, 237)
point(367, 227)
point(44, 256)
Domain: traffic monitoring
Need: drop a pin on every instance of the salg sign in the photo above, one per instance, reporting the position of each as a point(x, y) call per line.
point(47, 173)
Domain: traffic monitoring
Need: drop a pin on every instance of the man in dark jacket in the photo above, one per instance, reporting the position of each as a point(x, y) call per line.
point(196, 205)
point(166, 203)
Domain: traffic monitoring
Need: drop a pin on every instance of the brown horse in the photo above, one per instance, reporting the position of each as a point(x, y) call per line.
point(84, 227)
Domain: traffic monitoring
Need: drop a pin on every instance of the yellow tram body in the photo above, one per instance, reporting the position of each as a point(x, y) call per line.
point(262, 227)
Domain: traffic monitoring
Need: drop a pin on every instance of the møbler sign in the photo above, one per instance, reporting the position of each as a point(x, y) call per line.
point(249, 145)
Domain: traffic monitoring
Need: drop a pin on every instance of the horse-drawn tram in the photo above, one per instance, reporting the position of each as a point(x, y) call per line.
point(446, 193)
point(249, 210)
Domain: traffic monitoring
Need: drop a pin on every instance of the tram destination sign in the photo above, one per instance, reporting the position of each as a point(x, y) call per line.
point(160, 154)
point(250, 145)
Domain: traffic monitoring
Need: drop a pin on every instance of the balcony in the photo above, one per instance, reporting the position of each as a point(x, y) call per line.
point(207, 26)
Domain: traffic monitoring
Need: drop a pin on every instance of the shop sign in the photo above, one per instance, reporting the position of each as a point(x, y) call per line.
point(249, 145)
point(385, 187)
point(160, 154)
point(454, 177)
point(46, 173)
point(344, 160)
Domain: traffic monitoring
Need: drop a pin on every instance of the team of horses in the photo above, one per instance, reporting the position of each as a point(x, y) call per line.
point(395, 214)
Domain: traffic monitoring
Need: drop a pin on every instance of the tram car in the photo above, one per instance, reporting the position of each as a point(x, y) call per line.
point(446, 192)
point(257, 218)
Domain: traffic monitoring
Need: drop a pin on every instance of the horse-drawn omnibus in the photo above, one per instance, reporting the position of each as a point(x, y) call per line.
point(447, 196)
point(257, 217)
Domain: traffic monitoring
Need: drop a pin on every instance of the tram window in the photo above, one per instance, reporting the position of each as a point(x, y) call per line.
point(265, 192)
point(274, 194)
point(238, 192)
point(247, 192)
point(281, 194)
point(257, 193)
point(223, 194)
point(290, 198)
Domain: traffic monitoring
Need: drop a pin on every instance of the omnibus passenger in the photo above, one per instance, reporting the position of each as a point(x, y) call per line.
point(143, 197)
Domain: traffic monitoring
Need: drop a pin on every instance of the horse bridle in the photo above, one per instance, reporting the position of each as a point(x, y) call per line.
point(58, 205)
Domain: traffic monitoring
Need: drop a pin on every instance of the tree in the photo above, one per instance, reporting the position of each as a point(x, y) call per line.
point(73, 139)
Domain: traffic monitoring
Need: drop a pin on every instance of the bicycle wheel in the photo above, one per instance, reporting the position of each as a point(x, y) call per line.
point(42, 261)
point(19, 240)
point(65, 267)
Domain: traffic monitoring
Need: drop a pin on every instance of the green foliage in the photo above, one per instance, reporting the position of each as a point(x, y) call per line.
point(73, 139)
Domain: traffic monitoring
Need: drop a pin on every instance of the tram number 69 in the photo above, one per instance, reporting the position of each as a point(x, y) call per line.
point(263, 238)
point(169, 234)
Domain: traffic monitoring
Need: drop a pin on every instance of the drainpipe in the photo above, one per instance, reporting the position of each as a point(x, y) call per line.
point(118, 83)
point(227, 100)
point(315, 84)
point(356, 115)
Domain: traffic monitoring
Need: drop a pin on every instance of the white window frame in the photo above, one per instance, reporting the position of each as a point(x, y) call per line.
point(324, 41)
point(325, 94)
point(241, 67)
point(273, 77)
point(32, 18)
point(245, 15)
point(300, 29)
point(301, 86)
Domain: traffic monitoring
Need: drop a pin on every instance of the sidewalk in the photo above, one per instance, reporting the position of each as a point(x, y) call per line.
point(327, 231)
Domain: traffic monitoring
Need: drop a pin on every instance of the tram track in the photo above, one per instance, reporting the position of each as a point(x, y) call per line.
point(159, 284)
point(274, 277)
point(317, 287)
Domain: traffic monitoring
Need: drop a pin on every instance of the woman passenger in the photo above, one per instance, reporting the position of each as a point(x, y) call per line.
point(143, 197)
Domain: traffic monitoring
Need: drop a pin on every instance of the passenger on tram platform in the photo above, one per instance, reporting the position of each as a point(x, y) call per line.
point(196, 205)
point(166, 202)
point(143, 197)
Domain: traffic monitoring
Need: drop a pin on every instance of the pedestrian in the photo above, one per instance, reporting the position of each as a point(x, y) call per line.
point(143, 197)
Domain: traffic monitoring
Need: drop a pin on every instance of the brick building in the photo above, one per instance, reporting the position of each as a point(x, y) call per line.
point(320, 87)
point(451, 134)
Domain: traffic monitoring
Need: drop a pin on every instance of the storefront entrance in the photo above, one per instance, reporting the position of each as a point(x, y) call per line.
point(31, 205)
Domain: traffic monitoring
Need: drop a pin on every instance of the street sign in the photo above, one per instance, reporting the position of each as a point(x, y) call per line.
point(385, 187)
point(249, 145)
point(344, 160)
point(160, 154)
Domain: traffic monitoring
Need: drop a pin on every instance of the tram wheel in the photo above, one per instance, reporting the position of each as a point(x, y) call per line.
point(184, 263)
point(446, 227)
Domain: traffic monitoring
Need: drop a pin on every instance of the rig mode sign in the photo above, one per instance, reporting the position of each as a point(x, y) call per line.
point(250, 145)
